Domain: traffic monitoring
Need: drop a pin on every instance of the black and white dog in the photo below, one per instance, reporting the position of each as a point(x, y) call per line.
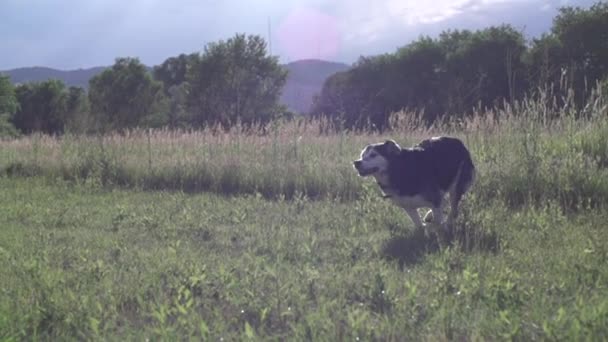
point(420, 176)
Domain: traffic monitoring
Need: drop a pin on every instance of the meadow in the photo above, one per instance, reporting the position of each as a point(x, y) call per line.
point(268, 234)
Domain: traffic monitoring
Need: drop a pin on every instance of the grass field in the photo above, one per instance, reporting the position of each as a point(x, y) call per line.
point(242, 236)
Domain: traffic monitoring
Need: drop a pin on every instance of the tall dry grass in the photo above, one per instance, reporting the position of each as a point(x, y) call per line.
point(526, 153)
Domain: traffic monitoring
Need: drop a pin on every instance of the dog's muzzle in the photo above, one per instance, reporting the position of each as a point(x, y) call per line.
point(363, 171)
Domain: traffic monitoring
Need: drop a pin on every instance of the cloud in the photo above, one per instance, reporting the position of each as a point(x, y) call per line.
point(372, 21)
point(369, 28)
point(76, 33)
point(309, 33)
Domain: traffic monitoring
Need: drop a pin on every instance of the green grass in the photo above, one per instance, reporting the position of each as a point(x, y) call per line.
point(83, 262)
point(270, 235)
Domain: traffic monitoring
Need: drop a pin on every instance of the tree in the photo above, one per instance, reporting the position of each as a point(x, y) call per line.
point(126, 96)
point(574, 55)
point(42, 107)
point(417, 76)
point(78, 118)
point(235, 80)
point(8, 107)
point(332, 100)
point(451, 74)
point(174, 70)
point(370, 98)
point(178, 115)
point(357, 97)
point(583, 34)
point(463, 69)
point(483, 67)
point(545, 62)
point(377, 86)
point(173, 73)
point(8, 101)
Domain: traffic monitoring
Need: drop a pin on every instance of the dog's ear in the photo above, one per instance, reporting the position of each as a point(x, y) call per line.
point(392, 147)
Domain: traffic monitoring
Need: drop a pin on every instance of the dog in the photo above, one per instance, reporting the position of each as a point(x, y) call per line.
point(421, 176)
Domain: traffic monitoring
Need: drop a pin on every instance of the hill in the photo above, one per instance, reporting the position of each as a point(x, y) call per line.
point(78, 77)
point(305, 79)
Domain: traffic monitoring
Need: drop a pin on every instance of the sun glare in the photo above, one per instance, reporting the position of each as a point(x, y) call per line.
point(309, 33)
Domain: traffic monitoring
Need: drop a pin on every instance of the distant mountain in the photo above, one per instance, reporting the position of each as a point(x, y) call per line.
point(305, 79)
point(78, 77)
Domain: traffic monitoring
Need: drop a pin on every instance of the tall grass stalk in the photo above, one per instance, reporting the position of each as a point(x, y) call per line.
point(526, 152)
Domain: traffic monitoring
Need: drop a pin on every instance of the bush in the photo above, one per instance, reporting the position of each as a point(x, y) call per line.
point(7, 129)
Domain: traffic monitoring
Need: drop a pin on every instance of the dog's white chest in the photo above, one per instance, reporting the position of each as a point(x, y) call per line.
point(415, 201)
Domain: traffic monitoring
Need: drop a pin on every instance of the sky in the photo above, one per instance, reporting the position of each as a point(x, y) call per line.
point(71, 34)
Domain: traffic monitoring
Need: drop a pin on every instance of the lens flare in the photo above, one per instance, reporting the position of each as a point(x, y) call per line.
point(309, 33)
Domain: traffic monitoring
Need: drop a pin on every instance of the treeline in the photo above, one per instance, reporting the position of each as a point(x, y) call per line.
point(230, 81)
point(463, 70)
point(238, 81)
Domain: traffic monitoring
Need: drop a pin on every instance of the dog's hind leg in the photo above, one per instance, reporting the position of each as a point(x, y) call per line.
point(464, 180)
point(455, 197)
point(435, 222)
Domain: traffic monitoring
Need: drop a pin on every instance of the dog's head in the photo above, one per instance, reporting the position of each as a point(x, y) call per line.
point(375, 158)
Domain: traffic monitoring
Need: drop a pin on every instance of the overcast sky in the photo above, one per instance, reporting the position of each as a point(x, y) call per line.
point(69, 34)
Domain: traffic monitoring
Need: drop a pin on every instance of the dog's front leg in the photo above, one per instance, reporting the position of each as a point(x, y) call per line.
point(413, 213)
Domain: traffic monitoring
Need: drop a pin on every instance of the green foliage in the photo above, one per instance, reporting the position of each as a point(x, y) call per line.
point(463, 70)
point(8, 101)
point(174, 70)
point(346, 95)
point(235, 81)
point(78, 112)
point(451, 74)
point(84, 263)
point(173, 73)
point(232, 82)
point(7, 129)
point(8, 108)
point(126, 96)
point(584, 37)
point(43, 107)
point(574, 55)
point(46, 107)
point(335, 99)
point(544, 58)
point(483, 68)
